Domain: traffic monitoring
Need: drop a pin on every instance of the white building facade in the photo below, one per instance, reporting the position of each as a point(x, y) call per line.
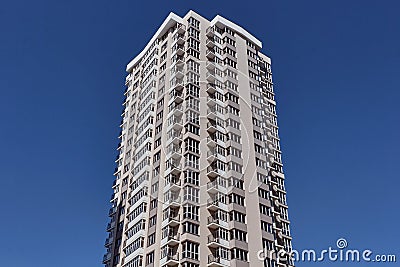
point(199, 178)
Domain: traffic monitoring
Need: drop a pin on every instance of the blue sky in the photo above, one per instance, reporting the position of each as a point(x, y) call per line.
point(336, 73)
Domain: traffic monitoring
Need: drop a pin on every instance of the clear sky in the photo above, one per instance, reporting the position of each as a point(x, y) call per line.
point(336, 67)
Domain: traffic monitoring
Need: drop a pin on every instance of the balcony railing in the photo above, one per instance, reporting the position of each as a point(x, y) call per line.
point(214, 259)
point(172, 257)
point(210, 31)
point(180, 28)
point(176, 107)
point(172, 198)
point(107, 257)
point(180, 38)
point(112, 210)
point(109, 240)
point(171, 217)
point(110, 225)
point(215, 239)
point(210, 54)
point(210, 43)
point(174, 149)
point(172, 236)
point(217, 184)
point(215, 202)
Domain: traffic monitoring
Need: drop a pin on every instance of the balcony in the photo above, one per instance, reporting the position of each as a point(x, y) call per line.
point(215, 204)
point(180, 29)
point(178, 38)
point(212, 171)
point(216, 186)
point(176, 168)
point(211, 127)
point(210, 54)
point(210, 31)
point(177, 72)
point(170, 260)
point(215, 242)
point(174, 151)
point(212, 155)
point(211, 142)
point(171, 239)
point(109, 241)
point(172, 200)
point(210, 43)
point(175, 137)
point(176, 96)
point(211, 77)
point(112, 211)
point(212, 115)
point(211, 101)
point(172, 183)
point(178, 110)
point(214, 223)
point(214, 261)
point(178, 50)
point(171, 219)
point(107, 257)
point(210, 66)
point(177, 123)
point(210, 88)
point(115, 184)
point(110, 226)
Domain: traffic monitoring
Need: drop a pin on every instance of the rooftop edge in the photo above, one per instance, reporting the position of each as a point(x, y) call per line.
point(173, 18)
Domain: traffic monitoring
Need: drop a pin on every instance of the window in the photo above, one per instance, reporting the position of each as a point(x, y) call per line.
point(153, 204)
point(234, 151)
point(193, 103)
point(150, 258)
point(237, 183)
point(239, 254)
point(135, 262)
point(238, 235)
point(189, 227)
point(237, 199)
point(192, 65)
point(192, 129)
point(234, 137)
point(192, 145)
point(229, 40)
point(194, 23)
point(257, 135)
point(138, 243)
point(233, 123)
point(191, 177)
point(191, 212)
point(191, 194)
point(190, 250)
point(263, 193)
point(163, 56)
point(151, 239)
point(192, 90)
point(267, 227)
point(235, 167)
point(157, 156)
point(153, 221)
point(237, 216)
point(192, 117)
point(193, 33)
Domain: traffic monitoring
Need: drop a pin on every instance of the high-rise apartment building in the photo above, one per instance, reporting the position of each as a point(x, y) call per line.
point(199, 178)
